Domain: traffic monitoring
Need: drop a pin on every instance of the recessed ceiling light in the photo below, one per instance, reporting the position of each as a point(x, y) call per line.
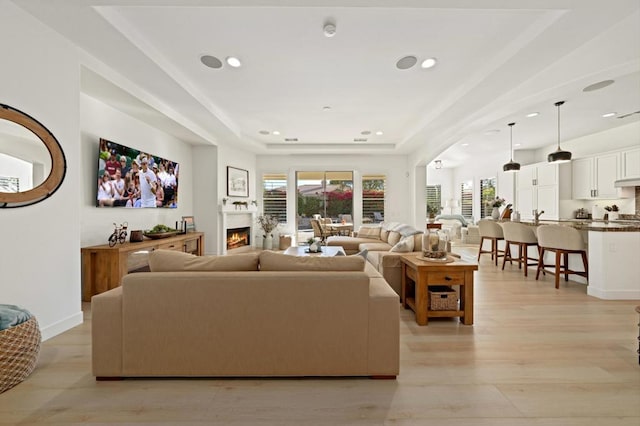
point(533, 114)
point(609, 114)
point(406, 62)
point(428, 63)
point(465, 144)
point(326, 108)
point(233, 61)
point(329, 29)
point(598, 85)
point(379, 133)
point(264, 132)
point(359, 139)
point(365, 132)
point(517, 144)
point(211, 61)
point(275, 132)
point(291, 139)
point(492, 132)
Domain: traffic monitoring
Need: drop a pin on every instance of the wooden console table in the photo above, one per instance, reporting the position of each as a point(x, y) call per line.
point(103, 267)
point(418, 275)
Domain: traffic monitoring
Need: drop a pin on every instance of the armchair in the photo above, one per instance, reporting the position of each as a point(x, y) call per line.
point(320, 230)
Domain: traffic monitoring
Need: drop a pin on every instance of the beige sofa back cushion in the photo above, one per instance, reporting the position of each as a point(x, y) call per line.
point(372, 232)
point(270, 261)
point(175, 261)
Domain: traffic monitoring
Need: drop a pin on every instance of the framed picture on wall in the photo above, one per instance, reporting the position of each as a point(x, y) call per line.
point(189, 223)
point(237, 182)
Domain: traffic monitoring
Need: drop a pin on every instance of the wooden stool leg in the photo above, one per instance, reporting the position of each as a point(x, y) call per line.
point(520, 256)
point(566, 266)
point(558, 268)
point(540, 264)
point(507, 253)
point(480, 249)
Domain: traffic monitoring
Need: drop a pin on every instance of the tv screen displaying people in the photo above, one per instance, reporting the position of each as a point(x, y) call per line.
point(131, 178)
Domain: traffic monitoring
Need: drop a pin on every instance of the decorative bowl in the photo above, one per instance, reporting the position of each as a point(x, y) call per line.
point(159, 235)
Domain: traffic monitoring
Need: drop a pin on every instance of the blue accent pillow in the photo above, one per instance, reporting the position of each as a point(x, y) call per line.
point(12, 315)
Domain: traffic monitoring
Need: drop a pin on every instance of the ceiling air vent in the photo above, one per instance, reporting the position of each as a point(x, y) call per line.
point(291, 139)
point(359, 139)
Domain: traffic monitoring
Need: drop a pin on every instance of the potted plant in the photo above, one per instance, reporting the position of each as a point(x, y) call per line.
point(433, 210)
point(613, 212)
point(496, 204)
point(268, 223)
point(314, 245)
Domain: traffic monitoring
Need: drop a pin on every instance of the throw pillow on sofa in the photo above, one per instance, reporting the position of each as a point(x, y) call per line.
point(176, 261)
point(270, 261)
point(405, 245)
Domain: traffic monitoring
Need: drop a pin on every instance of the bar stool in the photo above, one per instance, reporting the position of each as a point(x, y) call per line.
point(490, 230)
point(523, 236)
point(563, 241)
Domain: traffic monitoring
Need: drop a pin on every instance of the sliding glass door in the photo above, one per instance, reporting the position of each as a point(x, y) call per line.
point(328, 194)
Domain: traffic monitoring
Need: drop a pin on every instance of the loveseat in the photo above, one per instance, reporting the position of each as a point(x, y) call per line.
point(253, 315)
point(384, 245)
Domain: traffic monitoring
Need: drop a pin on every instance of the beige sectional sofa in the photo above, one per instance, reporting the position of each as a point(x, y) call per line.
point(252, 315)
point(385, 244)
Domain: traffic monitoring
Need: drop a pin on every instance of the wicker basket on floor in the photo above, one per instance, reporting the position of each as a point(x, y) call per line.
point(19, 349)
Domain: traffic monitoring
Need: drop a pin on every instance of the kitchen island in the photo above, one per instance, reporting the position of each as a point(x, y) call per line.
point(613, 249)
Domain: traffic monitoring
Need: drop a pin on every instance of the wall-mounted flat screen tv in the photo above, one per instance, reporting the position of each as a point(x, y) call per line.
point(131, 178)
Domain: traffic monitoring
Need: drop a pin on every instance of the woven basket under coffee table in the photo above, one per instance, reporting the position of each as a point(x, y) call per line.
point(19, 349)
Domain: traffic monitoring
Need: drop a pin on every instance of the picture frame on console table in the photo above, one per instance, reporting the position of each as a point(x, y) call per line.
point(189, 223)
point(237, 182)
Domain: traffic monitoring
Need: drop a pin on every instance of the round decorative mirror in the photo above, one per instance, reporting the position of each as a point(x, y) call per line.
point(32, 164)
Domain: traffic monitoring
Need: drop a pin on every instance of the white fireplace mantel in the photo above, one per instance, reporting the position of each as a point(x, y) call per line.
point(233, 216)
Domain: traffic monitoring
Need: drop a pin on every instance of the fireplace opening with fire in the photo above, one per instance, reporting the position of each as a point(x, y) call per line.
point(238, 237)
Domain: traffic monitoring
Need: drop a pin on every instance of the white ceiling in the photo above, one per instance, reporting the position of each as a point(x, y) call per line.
point(497, 61)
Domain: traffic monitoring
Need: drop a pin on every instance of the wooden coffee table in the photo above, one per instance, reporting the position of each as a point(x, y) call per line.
point(418, 275)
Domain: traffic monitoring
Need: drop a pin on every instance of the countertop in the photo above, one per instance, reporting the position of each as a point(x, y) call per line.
point(593, 225)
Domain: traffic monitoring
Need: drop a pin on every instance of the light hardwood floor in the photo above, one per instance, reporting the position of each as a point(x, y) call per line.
point(535, 356)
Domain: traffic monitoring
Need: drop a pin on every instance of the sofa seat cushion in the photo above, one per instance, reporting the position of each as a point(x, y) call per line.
point(270, 261)
point(349, 244)
point(176, 261)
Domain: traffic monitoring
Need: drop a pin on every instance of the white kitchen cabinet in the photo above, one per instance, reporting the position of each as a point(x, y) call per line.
point(594, 177)
point(630, 160)
point(540, 187)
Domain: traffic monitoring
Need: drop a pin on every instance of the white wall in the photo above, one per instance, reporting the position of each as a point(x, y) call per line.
point(486, 167)
point(399, 196)
point(40, 250)
point(240, 159)
point(98, 120)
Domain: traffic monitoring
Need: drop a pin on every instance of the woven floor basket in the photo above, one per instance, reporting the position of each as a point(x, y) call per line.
point(19, 348)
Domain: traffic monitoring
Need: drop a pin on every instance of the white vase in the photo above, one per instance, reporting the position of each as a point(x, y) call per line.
point(495, 213)
point(613, 215)
point(267, 243)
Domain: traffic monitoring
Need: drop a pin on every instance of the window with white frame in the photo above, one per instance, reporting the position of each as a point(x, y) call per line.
point(274, 195)
point(434, 199)
point(466, 197)
point(373, 193)
point(487, 195)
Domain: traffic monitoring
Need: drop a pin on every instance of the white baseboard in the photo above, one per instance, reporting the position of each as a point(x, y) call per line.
point(61, 326)
point(613, 294)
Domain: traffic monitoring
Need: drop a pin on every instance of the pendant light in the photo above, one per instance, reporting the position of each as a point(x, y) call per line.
point(511, 166)
point(559, 156)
